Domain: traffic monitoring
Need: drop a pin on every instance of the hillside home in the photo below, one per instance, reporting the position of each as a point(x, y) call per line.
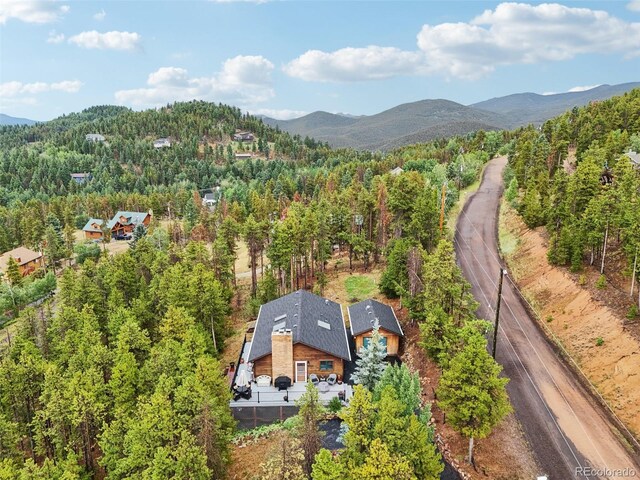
point(634, 157)
point(209, 200)
point(123, 223)
point(93, 229)
point(243, 137)
point(161, 143)
point(27, 260)
point(297, 335)
point(80, 178)
point(94, 137)
point(362, 318)
point(396, 171)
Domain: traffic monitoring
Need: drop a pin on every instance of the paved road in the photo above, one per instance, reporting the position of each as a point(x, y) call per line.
point(567, 431)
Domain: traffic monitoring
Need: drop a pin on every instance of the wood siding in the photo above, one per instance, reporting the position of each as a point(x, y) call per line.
point(313, 358)
point(301, 353)
point(92, 235)
point(393, 341)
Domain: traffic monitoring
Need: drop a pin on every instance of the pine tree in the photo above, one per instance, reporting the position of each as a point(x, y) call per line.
point(13, 273)
point(371, 364)
point(381, 465)
point(472, 393)
point(326, 467)
point(307, 431)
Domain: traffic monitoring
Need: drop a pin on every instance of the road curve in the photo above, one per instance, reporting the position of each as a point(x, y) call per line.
point(570, 434)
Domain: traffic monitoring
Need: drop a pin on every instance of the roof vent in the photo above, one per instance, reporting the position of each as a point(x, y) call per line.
point(326, 301)
point(324, 325)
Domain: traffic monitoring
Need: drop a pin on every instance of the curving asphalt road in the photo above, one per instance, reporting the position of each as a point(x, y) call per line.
point(571, 435)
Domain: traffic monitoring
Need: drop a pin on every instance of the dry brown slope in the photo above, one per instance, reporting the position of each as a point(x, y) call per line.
point(577, 320)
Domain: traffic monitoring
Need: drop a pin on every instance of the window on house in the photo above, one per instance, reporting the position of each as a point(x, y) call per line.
point(367, 340)
point(326, 365)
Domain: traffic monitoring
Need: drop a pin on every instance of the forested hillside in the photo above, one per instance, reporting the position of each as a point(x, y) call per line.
point(590, 204)
point(117, 375)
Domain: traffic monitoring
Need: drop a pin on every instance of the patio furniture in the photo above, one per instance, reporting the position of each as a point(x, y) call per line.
point(313, 378)
point(282, 382)
point(332, 379)
point(323, 387)
point(263, 380)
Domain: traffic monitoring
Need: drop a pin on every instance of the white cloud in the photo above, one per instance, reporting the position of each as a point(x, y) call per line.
point(583, 89)
point(244, 80)
point(107, 41)
point(634, 5)
point(278, 114)
point(55, 37)
point(14, 88)
point(100, 15)
point(513, 33)
point(354, 64)
point(32, 11)
point(517, 33)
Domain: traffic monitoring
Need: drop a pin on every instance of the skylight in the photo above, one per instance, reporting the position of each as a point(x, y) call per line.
point(280, 317)
point(278, 326)
point(324, 325)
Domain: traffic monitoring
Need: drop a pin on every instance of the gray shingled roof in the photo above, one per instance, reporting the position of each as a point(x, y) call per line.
point(363, 314)
point(307, 315)
point(133, 218)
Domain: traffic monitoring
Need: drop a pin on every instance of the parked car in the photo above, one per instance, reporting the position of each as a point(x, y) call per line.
point(122, 236)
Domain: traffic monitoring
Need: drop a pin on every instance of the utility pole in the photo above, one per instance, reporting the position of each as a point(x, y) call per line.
point(444, 191)
point(495, 326)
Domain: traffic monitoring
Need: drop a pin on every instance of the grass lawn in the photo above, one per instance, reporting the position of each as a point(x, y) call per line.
point(359, 287)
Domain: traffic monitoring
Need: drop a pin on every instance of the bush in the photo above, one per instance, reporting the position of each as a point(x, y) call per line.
point(86, 250)
point(582, 280)
point(601, 283)
point(599, 341)
point(633, 312)
point(335, 405)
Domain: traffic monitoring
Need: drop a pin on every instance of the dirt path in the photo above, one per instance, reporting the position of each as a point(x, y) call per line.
point(567, 431)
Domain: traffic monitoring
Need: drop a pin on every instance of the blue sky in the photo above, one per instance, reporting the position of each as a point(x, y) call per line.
point(287, 58)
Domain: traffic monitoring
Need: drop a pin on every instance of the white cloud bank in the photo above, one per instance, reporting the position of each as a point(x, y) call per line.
point(278, 114)
point(244, 80)
point(32, 11)
point(14, 89)
point(107, 41)
point(634, 5)
point(513, 33)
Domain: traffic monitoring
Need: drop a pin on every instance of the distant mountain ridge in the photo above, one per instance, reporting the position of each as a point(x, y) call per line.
point(9, 120)
point(428, 119)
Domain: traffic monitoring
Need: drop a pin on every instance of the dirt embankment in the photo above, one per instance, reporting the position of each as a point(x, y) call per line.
point(591, 332)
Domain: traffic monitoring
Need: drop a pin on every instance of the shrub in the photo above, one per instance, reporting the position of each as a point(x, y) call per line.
point(335, 405)
point(582, 280)
point(601, 283)
point(599, 341)
point(633, 312)
point(549, 318)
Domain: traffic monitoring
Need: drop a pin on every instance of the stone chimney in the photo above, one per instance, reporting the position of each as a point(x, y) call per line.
point(282, 353)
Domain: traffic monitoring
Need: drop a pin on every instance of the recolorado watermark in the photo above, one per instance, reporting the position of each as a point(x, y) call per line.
point(606, 472)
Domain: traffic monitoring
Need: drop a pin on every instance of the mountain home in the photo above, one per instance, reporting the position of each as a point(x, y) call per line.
point(297, 335)
point(362, 318)
point(123, 223)
point(27, 260)
point(93, 229)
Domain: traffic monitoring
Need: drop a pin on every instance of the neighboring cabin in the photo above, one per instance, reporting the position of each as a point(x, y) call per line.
point(27, 260)
point(396, 171)
point(81, 177)
point(243, 156)
point(94, 137)
point(243, 137)
point(123, 223)
point(634, 157)
point(362, 318)
point(297, 335)
point(93, 229)
point(161, 143)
